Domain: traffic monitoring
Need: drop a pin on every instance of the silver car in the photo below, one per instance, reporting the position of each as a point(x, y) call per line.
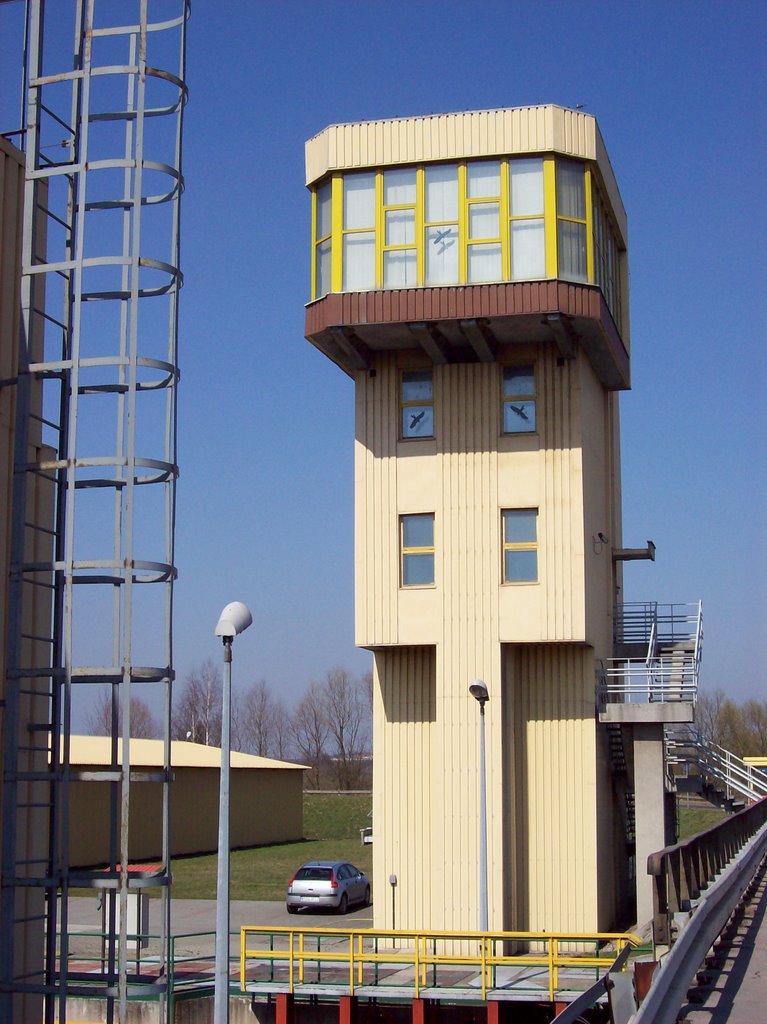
point(327, 883)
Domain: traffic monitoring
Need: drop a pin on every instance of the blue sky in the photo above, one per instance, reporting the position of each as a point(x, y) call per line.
point(265, 497)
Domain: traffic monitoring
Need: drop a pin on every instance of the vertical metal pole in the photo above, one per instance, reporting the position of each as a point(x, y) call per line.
point(221, 992)
point(482, 823)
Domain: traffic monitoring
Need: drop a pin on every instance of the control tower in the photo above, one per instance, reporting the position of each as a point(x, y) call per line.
point(469, 272)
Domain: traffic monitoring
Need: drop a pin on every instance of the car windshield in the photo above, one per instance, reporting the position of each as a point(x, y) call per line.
point(314, 874)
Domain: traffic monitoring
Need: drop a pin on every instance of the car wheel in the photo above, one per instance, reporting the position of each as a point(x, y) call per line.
point(343, 904)
point(366, 897)
point(292, 908)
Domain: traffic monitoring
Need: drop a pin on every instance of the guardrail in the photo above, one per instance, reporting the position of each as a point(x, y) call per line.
point(355, 960)
point(672, 979)
point(683, 870)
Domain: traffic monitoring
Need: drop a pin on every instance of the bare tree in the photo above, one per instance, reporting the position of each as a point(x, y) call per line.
point(347, 707)
point(197, 712)
point(142, 722)
point(309, 730)
point(263, 723)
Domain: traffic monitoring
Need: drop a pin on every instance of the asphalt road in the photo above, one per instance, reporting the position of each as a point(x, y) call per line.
point(193, 918)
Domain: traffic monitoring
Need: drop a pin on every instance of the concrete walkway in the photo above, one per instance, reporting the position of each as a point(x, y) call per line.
point(735, 988)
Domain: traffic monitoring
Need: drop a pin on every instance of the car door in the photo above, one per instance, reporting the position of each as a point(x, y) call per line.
point(356, 883)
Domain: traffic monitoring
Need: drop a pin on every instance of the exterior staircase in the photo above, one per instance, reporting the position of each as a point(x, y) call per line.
point(698, 765)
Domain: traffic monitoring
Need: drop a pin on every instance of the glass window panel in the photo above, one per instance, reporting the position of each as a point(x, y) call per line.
point(359, 201)
point(418, 531)
point(359, 256)
point(442, 254)
point(528, 249)
point(400, 227)
point(521, 566)
point(400, 269)
point(483, 179)
point(323, 267)
point(418, 570)
point(418, 421)
point(518, 416)
point(484, 220)
point(441, 193)
point(519, 526)
point(518, 380)
point(571, 189)
point(324, 215)
point(525, 187)
point(571, 240)
point(399, 186)
point(484, 263)
point(416, 384)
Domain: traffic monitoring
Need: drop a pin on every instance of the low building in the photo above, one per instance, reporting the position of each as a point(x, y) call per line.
point(266, 800)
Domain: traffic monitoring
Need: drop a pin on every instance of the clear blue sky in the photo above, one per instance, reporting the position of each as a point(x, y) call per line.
point(266, 423)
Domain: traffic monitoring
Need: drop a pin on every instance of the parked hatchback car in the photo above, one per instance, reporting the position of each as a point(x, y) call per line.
point(327, 883)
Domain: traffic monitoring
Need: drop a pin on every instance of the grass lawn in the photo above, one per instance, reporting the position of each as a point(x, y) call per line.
point(331, 828)
point(696, 818)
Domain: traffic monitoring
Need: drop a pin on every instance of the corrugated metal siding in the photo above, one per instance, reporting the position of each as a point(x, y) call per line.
point(476, 133)
point(406, 829)
point(550, 714)
point(376, 559)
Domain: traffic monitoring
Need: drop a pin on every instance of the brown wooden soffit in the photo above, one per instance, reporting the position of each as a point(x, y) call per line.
point(469, 324)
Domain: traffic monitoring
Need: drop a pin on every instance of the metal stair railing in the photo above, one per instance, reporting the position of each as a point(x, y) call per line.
point(672, 638)
point(687, 747)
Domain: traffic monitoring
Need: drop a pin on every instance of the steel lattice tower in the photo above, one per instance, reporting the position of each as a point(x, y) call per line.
point(92, 559)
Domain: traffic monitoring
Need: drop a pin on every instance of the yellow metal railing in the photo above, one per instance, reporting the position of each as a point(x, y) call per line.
point(291, 957)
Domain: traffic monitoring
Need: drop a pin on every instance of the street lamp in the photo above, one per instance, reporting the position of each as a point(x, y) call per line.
point(478, 690)
point(233, 620)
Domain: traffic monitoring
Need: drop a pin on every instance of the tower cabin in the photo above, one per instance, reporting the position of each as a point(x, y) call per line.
point(469, 272)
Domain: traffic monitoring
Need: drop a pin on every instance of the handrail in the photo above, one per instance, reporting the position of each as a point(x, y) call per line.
point(715, 762)
point(682, 871)
point(673, 977)
point(359, 954)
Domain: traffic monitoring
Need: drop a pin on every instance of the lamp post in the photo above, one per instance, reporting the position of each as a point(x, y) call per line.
point(478, 690)
point(233, 620)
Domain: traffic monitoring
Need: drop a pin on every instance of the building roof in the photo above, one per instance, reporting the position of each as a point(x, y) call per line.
point(97, 750)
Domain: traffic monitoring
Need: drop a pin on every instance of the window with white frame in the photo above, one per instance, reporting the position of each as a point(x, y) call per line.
point(520, 545)
point(417, 403)
point(417, 550)
point(519, 400)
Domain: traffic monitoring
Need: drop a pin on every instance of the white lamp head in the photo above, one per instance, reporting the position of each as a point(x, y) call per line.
point(234, 619)
point(478, 690)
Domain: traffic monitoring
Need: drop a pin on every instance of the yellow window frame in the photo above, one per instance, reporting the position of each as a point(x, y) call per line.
point(415, 549)
point(417, 244)
point(507, 546)
point(551, 219)
point(519, 396)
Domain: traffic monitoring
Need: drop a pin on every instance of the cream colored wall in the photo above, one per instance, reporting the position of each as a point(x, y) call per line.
point(266, 806)
point(550, 808)
point(552, 796)
point(466, 477)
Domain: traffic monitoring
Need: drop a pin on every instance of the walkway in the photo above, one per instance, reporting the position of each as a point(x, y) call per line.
point(733, 989)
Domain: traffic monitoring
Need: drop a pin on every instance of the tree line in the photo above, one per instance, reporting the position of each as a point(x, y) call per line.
point(739, 728)
point(329, 729)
